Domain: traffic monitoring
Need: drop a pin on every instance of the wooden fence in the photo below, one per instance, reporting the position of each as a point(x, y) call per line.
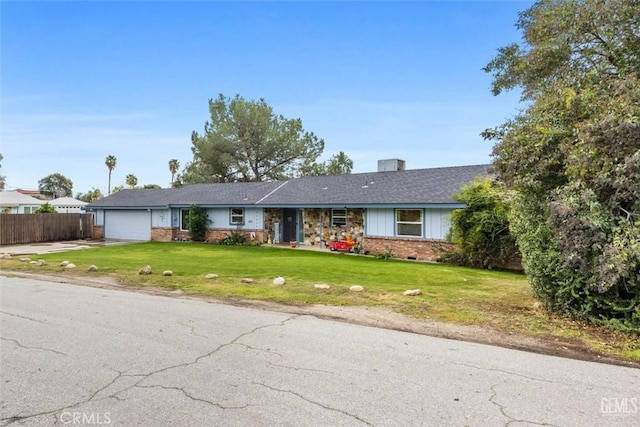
point(45, 227)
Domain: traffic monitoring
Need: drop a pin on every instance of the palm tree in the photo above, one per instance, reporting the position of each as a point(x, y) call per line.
point(174, 165)
point(111, 165)
point(131, 180)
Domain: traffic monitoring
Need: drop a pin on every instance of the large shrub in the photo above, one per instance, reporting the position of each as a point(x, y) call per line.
point(46, 208)
point(481, 228)
point(197, 223)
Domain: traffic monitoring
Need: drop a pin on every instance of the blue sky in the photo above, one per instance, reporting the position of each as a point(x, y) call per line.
point(81, 80)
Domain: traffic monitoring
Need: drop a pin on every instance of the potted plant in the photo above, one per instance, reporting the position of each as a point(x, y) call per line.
point(293, 244)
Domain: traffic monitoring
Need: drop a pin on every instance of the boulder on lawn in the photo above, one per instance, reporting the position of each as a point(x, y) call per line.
point(321, 286)
point(211, 276)
point(145, 270)
point(356, 288)
point(25, 259)
point(64, 263)
point(92, 267)
point(5, 256)
point(41, 262)
point(412, 292)
point(246, 280)
point(279, 281)
point(70, 265)
point(167, 273)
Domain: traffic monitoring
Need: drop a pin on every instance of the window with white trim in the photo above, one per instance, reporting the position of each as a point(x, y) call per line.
point(409, 222)
point(27, 209)
point(338, 217)
point(236, 216)
point(184, 219)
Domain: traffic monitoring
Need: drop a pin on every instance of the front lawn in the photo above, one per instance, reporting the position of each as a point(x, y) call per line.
point(451, 294)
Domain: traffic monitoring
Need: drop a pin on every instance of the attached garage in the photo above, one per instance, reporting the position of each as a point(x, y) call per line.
point(127, 225)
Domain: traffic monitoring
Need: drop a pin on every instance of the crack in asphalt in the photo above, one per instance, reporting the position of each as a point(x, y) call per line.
point(195, 399)
point(515, 374)
point(193, 330)
point(221, 346)
point(17, 418)
point(268, 350)
point(509, 417)
point(33, 348)
point(313, 402)
point(113, 381)
point(295, 368)
point(23, 317)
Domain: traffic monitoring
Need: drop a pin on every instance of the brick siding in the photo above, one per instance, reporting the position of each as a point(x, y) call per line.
point(407, 248)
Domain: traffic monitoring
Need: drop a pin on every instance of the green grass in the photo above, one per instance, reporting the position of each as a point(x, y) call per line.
point(451, 294)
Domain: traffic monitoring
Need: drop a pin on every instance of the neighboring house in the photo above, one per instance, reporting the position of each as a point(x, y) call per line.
point(32, 193)
point(68, 205)
point(406, 212)
point(14, 202)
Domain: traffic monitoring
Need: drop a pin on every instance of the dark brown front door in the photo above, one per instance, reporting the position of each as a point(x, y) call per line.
point(289, 225)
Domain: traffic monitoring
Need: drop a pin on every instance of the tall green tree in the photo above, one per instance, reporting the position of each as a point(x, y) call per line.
point(572, 155)
point(174, 166)
point(246, 141)
point(110, 162)
point(56, 185)
point(131, 180)
point(90, 196)
point(338, 164)
point(2, 177)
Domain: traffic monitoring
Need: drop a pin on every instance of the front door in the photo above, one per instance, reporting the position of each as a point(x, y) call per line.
point(289, 225)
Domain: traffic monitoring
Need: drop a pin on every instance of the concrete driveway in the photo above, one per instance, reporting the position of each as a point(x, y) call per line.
point(51, 247)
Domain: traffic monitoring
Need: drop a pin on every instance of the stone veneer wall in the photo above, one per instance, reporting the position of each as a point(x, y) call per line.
point(407, 248)
point(317, 226)
point(271, 216)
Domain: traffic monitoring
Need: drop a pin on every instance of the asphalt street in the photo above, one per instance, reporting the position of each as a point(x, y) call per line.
point(75, 355)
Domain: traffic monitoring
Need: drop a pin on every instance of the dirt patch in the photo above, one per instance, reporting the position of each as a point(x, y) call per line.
point(379, 317)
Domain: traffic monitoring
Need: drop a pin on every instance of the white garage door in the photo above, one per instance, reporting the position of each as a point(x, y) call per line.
point(127, 225)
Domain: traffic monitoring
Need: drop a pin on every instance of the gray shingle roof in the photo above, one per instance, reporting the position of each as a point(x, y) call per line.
point(410, 187)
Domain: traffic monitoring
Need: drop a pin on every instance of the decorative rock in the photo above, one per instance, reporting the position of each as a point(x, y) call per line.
point(5, 256)
point(412, 292)
point(167, 273)
point(25, 259)
point(211, 276)
point(356, 288)
point(41, 262)
point(279, 281)
point(70, 265)
point(92, 267)
point(321, 286)
point(33, 262)
point(145, 270)
point(64, 263)
point(246, 280)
